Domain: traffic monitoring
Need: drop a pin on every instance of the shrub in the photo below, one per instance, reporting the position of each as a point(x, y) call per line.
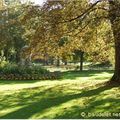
point(15, 69)
point(15, 72)
point(3, 60)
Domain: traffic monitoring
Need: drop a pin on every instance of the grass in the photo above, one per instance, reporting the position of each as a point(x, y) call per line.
point(76, 95)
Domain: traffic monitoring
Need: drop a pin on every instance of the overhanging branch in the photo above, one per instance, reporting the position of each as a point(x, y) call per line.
point(81, 15)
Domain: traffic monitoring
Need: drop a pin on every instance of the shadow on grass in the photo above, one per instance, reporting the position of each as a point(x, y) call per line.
point(92, 112)
point(3, 82)
point(40, 105)
point(87, 73)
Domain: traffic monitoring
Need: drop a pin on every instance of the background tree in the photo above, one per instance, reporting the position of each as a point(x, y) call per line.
point(11, 30)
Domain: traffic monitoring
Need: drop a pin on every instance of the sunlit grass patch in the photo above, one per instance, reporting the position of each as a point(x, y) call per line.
point(65, 98)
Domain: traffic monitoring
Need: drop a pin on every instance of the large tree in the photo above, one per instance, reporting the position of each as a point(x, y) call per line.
point(113, 8)
point(78, 14)
point(114, 16)
point(11, 31)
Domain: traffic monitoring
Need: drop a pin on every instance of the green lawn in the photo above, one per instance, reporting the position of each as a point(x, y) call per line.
point(76, 95)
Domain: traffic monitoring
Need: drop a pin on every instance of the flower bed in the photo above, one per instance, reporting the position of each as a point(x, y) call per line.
point(50, 76)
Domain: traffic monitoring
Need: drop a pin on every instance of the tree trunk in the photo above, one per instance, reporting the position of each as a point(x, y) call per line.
point(65, 62)
point(51, 60)
point(6, 54)
point(58, 62)
point(115, 24)
point(17, 59)
point(81, 60)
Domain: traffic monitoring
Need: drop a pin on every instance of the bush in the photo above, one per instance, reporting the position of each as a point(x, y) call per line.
point(15, 72)
point(15, 69)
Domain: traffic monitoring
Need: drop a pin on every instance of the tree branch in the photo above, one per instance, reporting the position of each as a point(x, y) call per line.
point(83, 28)
point(84, 13)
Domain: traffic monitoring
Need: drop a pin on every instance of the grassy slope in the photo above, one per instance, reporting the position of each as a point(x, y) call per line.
point(66, 98)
